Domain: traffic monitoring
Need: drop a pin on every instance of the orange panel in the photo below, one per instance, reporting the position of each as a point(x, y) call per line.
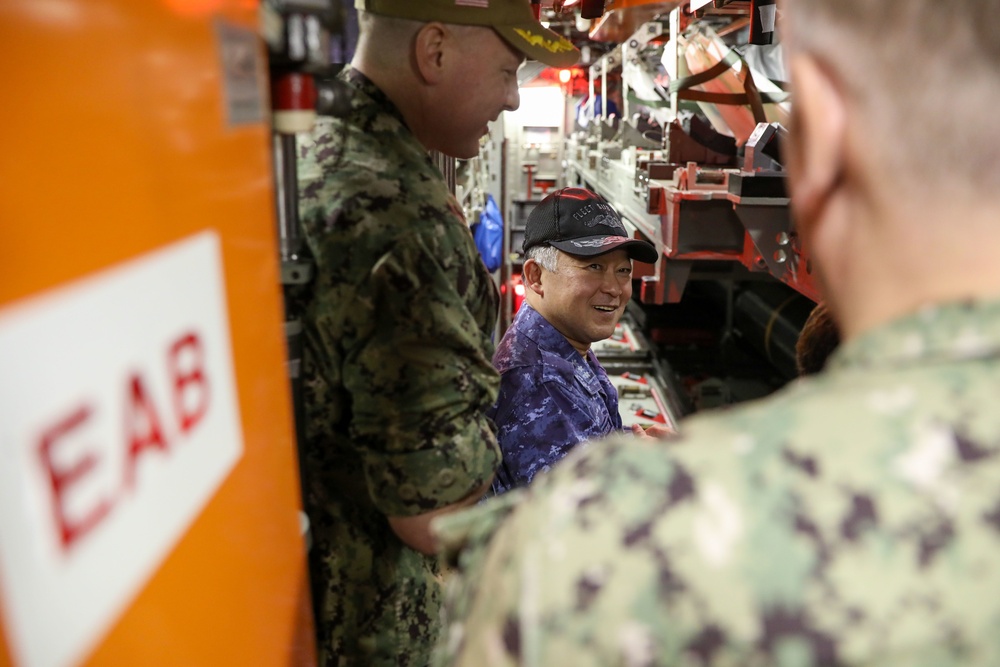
point(117, 143)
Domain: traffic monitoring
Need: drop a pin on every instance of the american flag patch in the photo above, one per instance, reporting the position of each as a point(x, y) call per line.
point(485, 4)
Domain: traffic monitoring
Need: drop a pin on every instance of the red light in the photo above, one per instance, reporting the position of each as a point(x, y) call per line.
point(517, 287)
point(565, 75)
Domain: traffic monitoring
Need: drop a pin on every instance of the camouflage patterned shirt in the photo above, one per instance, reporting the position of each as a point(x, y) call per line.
point(397, 374)
point(551, 398)
point(853, 518)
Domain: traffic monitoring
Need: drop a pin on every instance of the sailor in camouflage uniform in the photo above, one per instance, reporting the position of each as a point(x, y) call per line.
point(854, 517)
point(399, 318)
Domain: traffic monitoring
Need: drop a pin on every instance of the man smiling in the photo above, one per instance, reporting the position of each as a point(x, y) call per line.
point(578, 279)
point(398, 317)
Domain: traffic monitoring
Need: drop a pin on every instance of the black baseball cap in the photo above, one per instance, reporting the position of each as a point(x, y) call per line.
point(581, 222)
point(512, 19)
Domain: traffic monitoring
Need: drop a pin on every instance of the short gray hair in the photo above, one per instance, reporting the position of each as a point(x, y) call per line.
point(924, 76)
point(387, 38)
point(546, 256)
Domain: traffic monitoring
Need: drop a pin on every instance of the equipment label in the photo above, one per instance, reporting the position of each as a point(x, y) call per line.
point(119, 420)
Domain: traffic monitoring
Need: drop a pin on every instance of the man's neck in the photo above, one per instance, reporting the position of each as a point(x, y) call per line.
point(917, 262)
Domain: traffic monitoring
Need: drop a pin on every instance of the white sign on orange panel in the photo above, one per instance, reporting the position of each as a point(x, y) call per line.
point(118, 422)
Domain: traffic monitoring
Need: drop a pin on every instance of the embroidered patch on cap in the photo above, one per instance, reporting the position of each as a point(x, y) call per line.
point(550, 45)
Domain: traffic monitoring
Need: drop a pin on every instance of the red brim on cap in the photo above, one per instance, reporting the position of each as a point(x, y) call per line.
point(589, 246)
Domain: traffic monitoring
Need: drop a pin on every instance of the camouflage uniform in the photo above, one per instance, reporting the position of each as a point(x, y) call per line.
point(551, 398)
point(853, 518)
point(397, 375)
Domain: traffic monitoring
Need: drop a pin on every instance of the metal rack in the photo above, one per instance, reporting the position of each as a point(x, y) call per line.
point(698, 206)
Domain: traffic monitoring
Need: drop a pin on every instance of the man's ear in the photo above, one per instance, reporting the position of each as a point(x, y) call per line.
point(819, 129)
point(430, 44)
point(531, 276)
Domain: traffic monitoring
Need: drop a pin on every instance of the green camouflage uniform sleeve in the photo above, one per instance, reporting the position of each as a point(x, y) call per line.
point(402, 310)
point(396, 374)
point(851, 519)
point(421, 382)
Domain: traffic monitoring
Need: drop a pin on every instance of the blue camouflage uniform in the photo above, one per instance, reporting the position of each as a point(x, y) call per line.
point(551, 398)
point(397, 375)
point(853, 518)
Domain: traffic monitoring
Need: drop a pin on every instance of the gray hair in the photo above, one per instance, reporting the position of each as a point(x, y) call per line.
point(387, 38)
point(390, 37)
point(922, 74)
point(546, 256)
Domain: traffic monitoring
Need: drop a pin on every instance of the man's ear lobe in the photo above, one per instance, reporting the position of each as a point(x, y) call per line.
point(531, 276)
point(819, 128)
point(429, 51)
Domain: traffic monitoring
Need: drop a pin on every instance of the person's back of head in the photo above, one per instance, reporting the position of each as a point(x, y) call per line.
point(924, 76)
point(894, 172)
point(386, 40)
point(817, 341)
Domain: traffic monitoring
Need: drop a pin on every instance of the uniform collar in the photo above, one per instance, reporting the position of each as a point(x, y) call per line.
point(947, 332)
point(366, 92)
point(547, 337)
